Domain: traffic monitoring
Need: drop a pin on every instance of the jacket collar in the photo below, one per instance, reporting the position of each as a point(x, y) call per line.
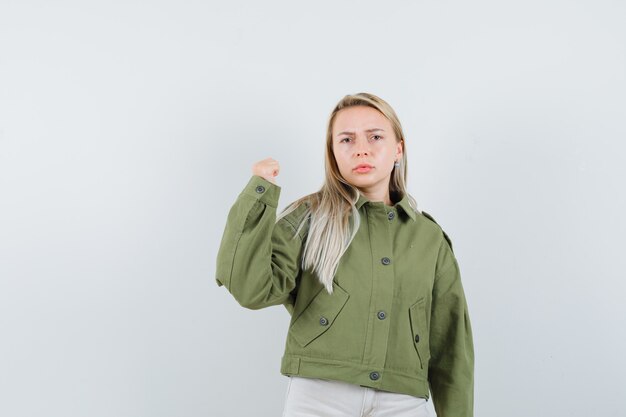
point(403, 204)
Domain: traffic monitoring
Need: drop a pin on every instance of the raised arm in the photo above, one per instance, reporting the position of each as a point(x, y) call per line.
point(258, 259)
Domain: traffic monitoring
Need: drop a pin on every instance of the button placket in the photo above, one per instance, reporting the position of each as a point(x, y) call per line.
point(381, 243)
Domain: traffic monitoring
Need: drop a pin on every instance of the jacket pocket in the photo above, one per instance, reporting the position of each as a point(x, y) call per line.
point(319, 315)
point(419, 330)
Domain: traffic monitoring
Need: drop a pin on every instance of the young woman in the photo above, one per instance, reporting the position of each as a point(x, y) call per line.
point(379, 318)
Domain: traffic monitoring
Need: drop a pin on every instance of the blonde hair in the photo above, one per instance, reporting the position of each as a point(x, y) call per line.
point(330, 209)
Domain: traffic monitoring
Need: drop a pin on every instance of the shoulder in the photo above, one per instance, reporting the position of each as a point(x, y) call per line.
point(295, 212)
point(296, 215)
point(432, 219)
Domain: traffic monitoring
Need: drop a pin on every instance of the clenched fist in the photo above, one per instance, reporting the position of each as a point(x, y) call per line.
point(267, 168)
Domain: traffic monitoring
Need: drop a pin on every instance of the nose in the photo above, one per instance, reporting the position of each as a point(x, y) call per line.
point(361, 148)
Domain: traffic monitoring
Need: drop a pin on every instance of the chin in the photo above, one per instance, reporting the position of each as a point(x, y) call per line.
point(361, 181)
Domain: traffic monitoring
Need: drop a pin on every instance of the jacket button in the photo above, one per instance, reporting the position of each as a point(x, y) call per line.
point(391, 215)
point(381, 315)
point(374, 376)
point(323, 321)
point(386, 261)
point(260, 189)
point(417, 338)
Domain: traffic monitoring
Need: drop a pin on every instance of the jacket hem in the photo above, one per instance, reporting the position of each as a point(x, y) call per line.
point(388, 380)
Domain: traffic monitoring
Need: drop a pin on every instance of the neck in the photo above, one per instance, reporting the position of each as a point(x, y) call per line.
point(378, 196)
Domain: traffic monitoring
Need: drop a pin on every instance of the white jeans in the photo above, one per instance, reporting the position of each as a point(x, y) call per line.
point(313, 397)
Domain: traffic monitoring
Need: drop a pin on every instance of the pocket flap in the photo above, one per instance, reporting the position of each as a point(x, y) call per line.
point(319, 315)
point(419, 330)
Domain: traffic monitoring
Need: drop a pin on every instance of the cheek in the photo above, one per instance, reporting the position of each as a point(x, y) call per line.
point(390, 151)
point(341, 160)
point(338, 162)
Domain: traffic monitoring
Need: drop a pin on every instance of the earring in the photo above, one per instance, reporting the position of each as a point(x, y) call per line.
point(396, 164)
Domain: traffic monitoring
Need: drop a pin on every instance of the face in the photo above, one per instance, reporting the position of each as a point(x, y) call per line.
point(362, 135)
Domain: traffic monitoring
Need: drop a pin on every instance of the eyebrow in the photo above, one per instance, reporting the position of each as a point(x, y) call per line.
point(368, 131)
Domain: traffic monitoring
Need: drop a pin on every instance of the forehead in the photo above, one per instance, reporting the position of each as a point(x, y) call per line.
point(358, 118)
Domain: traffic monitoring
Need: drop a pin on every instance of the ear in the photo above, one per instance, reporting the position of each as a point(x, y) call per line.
point(399, 149)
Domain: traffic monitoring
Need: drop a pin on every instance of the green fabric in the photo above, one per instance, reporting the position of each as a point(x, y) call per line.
point(399, 324)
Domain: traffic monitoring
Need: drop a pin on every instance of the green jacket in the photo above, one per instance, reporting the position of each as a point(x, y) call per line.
point(397, 319)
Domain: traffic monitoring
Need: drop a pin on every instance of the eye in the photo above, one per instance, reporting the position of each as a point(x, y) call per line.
point(377, 136)
point(343, 139)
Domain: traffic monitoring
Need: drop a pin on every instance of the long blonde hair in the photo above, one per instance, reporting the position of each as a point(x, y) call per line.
point(330, 209)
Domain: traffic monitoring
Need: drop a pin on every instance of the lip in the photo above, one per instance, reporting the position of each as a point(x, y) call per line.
point(363, 168)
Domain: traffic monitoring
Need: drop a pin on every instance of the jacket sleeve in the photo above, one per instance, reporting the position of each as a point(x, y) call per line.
point(451, 367)
point(258, 258)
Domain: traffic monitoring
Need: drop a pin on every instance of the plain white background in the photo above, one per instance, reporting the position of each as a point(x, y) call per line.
point(127, 130)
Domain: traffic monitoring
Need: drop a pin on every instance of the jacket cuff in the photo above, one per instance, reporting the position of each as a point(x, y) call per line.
point(262, 190)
